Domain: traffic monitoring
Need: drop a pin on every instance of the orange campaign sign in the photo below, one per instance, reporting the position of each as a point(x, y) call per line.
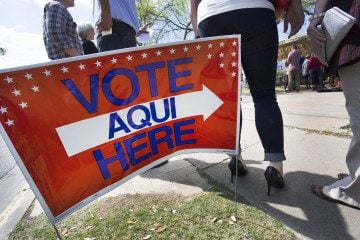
point(80, 127)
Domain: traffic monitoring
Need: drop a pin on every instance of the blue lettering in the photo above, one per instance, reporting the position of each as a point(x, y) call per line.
point(173, 75)
point(154, 141)
point(173, 107)
point(139, 148)
point(144, 122)
point(154, 114)
point(106, 86)
point(91, 106)
point(179, 133)
point(132, 150)
point(115, 118)
point(150, 68)
point(102, 162)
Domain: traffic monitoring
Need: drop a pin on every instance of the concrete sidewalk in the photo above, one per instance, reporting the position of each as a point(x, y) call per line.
point(312, 158)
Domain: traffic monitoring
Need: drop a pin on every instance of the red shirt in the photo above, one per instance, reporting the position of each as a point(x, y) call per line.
point(314, 63)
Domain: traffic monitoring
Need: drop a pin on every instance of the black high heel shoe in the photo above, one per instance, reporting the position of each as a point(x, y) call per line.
point(241, 168)
point(273, 178)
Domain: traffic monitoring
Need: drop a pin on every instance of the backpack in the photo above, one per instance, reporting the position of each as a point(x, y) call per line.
point(304, 67)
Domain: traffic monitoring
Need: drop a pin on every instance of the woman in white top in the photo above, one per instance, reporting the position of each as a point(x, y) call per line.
point(255, 21)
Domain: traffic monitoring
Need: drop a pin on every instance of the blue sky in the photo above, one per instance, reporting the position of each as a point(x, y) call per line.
point(21, 30)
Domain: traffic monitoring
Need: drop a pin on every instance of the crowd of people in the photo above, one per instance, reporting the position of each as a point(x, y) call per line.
point(308, 71)
point(117, 26)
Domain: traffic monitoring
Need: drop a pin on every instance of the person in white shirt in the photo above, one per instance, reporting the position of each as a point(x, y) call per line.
point(255, 21)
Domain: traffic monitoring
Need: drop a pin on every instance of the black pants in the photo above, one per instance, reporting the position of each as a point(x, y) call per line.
point(123, 36)
point(259, 47)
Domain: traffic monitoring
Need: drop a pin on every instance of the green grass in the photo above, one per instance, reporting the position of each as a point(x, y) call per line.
point(158, 217)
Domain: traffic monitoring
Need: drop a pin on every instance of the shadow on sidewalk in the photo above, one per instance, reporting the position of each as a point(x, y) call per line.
point(295, 205)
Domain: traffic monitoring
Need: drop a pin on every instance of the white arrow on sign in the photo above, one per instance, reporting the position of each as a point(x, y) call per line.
point(82, 135)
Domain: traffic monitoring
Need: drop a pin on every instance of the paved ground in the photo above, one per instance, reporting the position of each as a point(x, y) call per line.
point(312, 157)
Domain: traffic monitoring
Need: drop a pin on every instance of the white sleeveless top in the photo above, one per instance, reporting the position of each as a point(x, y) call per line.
point(209, 8)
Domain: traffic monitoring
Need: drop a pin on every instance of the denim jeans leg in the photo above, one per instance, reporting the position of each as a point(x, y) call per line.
point(259, 45)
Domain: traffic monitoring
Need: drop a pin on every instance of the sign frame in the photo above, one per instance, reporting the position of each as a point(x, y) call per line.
point(54, 219)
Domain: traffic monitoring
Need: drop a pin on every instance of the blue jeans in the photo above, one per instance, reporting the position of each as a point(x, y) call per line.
point(259, 48)
point(123, 36)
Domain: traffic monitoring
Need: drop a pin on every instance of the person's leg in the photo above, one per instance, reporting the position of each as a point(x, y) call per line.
point(348, 189)
point(291, 82)
point(297, 80)
point(286, 82)
point(315, 79)
point(259, 46)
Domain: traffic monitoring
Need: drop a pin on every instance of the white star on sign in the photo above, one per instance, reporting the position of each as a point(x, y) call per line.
point(221, 65)
point(233, 74)
point(35, 88)
point(3, 110)
point(210, 45)
point(209, 56)
point(114, 60)
point(129, 57)
point(233, 64)
point(144, 55)
point(158, 53)
point(9, 122)
point(64, 69)
point(23, 105)
point(222, 44)
point(233, 54)
point(47, 73)
point(28, 76)
point(8, 79)
point(234, 43)
point(81, 66)
point(172, 51)
point(186, 49)
point(221, 55)
point(198, 47)
point(98, 63)
point(16, 92)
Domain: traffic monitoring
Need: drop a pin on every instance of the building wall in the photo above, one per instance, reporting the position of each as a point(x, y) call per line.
point(303, 43)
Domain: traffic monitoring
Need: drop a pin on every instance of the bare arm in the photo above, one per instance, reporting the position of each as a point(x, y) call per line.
point(193, 16)
point(315, 35)
point(295, 17)
point(105, 21)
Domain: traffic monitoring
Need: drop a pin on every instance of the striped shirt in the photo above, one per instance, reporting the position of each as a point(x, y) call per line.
point(59, 31)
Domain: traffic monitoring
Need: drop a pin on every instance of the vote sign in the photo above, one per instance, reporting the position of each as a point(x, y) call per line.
point(79, 127)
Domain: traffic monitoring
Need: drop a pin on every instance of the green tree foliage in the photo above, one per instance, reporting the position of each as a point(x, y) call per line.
point(170, 20)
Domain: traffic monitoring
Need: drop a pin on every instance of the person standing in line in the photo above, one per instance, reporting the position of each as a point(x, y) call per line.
point(255, 21)
point(293, 61)
point(346, 190)
point(314, 67)
point(86, 33)
point(305, 71)
point(117, 24)
point(59, 31)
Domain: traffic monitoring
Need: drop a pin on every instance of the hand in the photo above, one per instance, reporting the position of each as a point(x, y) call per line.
point(144, 29)
point(295, 16)
point(316, 36)
point(104, 23)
